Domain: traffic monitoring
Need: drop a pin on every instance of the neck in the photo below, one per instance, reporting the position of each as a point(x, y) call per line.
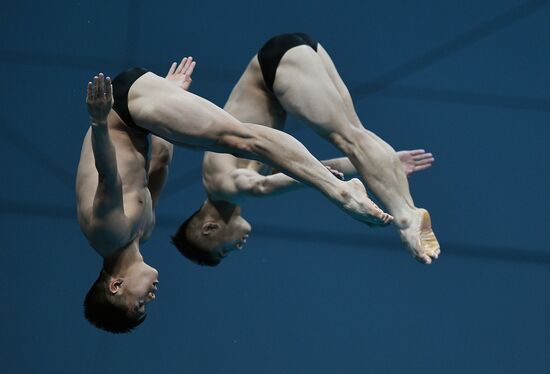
point(221, 209)
point(119, 263)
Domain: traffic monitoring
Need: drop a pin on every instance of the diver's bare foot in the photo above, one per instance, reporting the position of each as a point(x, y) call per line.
point(420, 239)
point(361, 207)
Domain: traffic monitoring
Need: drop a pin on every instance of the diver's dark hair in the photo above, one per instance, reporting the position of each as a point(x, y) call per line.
point(188, 249)
point(104, 314)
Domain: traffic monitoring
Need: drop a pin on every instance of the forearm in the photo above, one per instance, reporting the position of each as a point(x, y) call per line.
point(108, 200)
point(342, 164)
point(276, 184)
point(104, 152)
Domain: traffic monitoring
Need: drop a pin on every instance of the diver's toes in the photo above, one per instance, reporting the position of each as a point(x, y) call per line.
point(424, 259)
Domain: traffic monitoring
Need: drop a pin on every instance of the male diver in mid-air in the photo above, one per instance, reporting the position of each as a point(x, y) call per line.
point(292, 73)
point(118, 183)
point(117, 187)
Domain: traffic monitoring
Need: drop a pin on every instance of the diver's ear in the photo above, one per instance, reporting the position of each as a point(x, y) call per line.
point(115, 284)
point(210, 228)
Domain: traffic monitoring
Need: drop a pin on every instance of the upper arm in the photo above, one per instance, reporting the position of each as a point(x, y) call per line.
point(161, 157)
point(110, 227)
point(108, 200)
point(101, 214)
point(161, 152)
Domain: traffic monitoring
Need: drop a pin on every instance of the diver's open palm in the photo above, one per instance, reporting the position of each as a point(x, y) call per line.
point(99, 98)
point(181, 75)
point(415, 160)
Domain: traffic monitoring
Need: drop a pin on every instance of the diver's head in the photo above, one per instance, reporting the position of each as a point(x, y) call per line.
point(211, 233)
point(117, 303)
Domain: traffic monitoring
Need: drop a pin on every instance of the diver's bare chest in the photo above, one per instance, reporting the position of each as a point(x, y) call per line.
point(139, 209)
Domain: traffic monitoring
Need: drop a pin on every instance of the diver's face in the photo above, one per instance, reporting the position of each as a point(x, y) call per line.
point(231, 236)
point(140, 287)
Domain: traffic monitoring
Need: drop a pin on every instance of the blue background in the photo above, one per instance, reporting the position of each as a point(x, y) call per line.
point(315, 291)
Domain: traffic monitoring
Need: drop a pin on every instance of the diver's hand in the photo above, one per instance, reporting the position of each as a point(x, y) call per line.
point(99, 98)
point(337, 173)
point(181, 75)
point(415, 160)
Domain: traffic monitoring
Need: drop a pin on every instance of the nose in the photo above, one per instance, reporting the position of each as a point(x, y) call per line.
point(154, 275)
point(246, 226)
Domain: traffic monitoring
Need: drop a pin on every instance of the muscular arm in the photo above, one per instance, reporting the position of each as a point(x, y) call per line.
point(109, 189)
point(276, 183)
point(161, 157)
point(108, 198)
point(250, 183)
point(344, 165)
point(242, 183)
point(411, 161)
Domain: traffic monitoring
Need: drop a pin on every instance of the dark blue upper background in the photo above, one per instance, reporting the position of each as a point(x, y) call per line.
point(315, 291)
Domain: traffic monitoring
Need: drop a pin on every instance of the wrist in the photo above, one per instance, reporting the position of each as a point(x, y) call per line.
point(98, 121)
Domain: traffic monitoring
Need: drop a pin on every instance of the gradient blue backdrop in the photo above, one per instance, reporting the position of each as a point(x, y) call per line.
point(315, 291)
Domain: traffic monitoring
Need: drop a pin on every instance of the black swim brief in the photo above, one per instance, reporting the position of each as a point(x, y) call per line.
point(121, 86)
point(273, 50)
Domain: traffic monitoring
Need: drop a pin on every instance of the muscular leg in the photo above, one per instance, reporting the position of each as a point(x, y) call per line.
point(308, 85)
point(251, 104)
point(188, 120)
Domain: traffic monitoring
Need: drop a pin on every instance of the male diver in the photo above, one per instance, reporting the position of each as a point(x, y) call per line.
point(293, 74)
